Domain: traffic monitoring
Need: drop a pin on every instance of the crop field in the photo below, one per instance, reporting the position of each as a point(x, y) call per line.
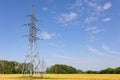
point(62, 77)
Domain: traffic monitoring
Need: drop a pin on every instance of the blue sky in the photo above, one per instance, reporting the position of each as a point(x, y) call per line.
point(81, 33)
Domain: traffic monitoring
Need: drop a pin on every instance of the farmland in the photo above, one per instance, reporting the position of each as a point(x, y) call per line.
point(62, 77)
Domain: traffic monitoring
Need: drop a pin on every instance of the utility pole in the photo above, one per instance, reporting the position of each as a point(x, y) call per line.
point(32, 61)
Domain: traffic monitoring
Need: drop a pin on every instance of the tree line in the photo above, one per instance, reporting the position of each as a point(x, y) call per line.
point(65, 69)
point(13, 67)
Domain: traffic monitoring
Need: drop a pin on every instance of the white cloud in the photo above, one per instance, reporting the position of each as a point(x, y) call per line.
point(93, 11)
point(91, 19)
point(61, 56)
point(67, 17)
point(44, 8)
point(94, 30)
point(106, 19)
point(107, 5)
point(91, 28)
point(93, 50)
point(97, 31)
point(70, 16)
point(95, 5)
point(77, 3)
point(46, 35)
point(108, 49)
point(88, 10)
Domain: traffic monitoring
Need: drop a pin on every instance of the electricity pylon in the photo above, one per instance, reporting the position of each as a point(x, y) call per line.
point(32, 61)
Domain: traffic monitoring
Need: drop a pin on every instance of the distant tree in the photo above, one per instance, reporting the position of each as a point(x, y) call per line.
point(11, 67)
point(92, 72)
point(107, 71)
point(61, 69)
point(79, 71)
point(117, 70)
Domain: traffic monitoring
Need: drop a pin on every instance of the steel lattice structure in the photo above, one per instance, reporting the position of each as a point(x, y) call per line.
point(32, 61)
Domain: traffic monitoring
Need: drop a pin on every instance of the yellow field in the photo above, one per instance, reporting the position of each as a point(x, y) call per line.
point(63, 77)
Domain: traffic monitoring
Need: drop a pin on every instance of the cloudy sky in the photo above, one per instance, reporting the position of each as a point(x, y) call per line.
point(81, 33)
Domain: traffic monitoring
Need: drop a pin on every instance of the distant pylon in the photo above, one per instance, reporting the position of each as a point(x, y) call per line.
point(32, 61)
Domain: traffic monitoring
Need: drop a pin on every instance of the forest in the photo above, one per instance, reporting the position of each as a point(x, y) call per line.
point(13, 67)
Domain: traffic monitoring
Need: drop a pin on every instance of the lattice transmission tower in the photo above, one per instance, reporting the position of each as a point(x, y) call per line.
point(32, 61)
